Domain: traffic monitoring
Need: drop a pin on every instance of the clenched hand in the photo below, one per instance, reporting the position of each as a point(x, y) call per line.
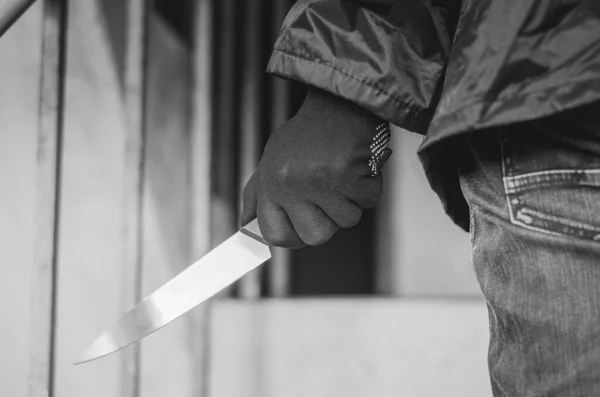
point(315, 175)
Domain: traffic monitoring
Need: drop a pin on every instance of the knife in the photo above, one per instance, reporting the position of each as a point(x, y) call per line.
point(221, 267)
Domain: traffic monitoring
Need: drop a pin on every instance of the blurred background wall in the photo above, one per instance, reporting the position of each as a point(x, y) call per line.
point(127, 131)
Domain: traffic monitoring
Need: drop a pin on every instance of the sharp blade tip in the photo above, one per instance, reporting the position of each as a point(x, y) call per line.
point(86, 356)
point(79, 361)
point(94, 351)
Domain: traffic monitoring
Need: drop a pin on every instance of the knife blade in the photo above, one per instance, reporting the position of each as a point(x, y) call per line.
point(221, 267)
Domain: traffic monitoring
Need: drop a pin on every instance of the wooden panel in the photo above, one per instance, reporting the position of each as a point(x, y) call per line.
point(411, 223)
point(92, 280)
point(168, 364)
point(349, 348)
point(19, 104)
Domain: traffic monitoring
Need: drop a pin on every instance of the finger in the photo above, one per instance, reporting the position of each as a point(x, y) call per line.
point(366, 192)
point(387, 153)
point(344, 213)
point(311, 223)
point(249, 196)
point(275, 225)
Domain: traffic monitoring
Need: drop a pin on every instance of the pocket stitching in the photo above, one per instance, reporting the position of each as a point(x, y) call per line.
point(506, 179)
point(514, 184)
point(531, 180)
point(576, 228)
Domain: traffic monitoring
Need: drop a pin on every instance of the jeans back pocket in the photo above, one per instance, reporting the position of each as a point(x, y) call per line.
point(550, 185)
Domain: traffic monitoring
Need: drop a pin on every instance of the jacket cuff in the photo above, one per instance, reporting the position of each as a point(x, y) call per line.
point(343, 84)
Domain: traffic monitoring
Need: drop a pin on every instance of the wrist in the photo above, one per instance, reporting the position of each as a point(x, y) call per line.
point(323, 104)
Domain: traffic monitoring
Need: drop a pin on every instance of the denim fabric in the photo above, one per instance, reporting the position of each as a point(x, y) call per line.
point(534, 196)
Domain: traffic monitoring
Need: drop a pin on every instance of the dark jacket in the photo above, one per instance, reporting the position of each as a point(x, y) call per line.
point(442, 68)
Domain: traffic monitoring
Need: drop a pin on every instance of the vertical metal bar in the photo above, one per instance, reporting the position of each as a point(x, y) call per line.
point(279, 267)
point(250, 136)
point(224, 134)
point(224, 197)
point(51, 109)
point(133, 178)
point(202, 127)
point(11, 11)
point(202, 131)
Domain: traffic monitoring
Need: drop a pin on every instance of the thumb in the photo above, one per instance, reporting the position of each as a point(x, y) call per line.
point(387, 153)
point(249, 200)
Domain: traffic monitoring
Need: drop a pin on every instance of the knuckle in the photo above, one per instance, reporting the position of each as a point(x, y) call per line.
point(283, 174)
point(320, 175)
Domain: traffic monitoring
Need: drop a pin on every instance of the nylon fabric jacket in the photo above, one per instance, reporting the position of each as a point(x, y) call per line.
point(442, 68)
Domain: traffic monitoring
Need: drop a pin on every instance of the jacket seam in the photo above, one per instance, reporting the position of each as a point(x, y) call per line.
point(396, 101)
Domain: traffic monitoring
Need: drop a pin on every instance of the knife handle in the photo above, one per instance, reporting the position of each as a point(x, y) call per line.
point(252, 230)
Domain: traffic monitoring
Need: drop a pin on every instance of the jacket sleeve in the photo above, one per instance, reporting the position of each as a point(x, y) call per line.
point(387, 56)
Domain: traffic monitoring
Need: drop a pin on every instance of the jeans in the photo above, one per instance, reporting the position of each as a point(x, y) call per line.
point(533, 191)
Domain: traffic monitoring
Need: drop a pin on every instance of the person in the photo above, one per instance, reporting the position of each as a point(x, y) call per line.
point(505, 93)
